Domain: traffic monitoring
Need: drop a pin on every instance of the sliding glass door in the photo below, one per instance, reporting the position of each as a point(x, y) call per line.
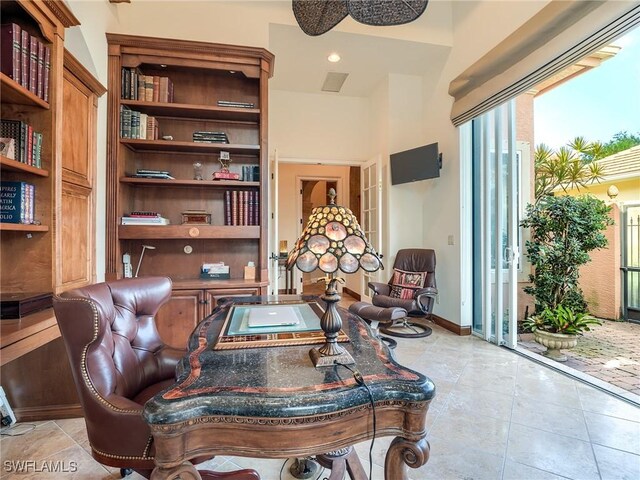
point(495, 225)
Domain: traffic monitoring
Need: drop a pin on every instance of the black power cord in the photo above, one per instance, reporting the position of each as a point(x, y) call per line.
point(357, 376)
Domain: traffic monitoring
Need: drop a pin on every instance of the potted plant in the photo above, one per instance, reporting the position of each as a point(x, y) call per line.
point(559, 328)
point(563, 229)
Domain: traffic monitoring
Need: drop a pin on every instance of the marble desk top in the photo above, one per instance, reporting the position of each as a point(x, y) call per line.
point(280, 382)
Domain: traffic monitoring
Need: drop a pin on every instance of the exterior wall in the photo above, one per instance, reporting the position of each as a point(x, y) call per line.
point(600, 278)
point(629, 190)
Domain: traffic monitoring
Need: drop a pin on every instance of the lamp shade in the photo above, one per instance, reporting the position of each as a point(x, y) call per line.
point(333, 240)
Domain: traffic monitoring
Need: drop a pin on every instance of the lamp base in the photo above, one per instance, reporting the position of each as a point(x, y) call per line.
point(319, 360)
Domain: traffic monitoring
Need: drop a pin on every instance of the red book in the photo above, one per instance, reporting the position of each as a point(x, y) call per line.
point(10, 50)
point(45, 74)
point(33, 64)
point(40, 83)
point(24, 59)
point(29, 157)
point(234, 207)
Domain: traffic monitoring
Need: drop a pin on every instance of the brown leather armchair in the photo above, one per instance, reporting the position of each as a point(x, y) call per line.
point(420, 303)
point(118, 362)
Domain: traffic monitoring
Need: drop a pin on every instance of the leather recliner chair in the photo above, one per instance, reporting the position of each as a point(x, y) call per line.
point(418, 260)
point(119, 361)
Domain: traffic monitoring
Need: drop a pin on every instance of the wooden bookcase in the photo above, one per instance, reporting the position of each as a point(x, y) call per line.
point(202, 74)
point(55, 253)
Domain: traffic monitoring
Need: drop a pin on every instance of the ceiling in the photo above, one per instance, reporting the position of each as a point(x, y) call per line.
point(301, 60)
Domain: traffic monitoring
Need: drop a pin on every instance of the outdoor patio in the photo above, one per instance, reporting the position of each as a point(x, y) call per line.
point(610, 352)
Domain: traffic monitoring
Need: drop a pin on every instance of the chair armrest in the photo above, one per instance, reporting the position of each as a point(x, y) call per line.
point(168, 359)
point(428, 291)
point(425, 298)
point(380, 288)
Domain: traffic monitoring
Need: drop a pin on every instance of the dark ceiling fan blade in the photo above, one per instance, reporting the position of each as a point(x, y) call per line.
point(316, 17)
point(386, 12)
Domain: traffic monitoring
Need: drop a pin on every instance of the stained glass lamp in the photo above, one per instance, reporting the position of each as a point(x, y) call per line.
point(332, 241)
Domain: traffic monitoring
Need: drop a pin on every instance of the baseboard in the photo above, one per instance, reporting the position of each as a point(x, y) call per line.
point(50, 412)
point(355, 295)
point(452, 327)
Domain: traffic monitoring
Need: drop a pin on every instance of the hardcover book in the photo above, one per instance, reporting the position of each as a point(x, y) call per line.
point(16, 202)
point(10, 50)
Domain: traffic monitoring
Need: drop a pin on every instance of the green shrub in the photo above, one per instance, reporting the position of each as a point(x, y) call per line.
point(564, 230)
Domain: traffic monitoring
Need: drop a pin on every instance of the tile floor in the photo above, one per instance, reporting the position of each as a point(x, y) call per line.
point(497, 415)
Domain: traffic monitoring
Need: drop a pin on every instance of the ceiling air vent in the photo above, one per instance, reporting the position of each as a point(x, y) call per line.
point(334, 81)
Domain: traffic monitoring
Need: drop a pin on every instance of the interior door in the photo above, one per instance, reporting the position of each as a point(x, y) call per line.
point(273, 242)
point(371, 217)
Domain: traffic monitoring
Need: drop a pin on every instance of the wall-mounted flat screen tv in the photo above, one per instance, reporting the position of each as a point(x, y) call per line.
point(416, 164)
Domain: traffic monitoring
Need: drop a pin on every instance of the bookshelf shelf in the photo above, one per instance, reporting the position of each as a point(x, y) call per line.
point(15, 166)
point(193, 232)
point(20, 227)
point(185, 110)
point(13, 92)
point(139, 145)
point(223, 184)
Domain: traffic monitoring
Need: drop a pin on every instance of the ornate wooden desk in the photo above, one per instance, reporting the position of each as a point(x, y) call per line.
point(272, 403)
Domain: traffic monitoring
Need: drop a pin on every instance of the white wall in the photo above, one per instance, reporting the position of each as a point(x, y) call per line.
point(477, 29)
point(321, 126)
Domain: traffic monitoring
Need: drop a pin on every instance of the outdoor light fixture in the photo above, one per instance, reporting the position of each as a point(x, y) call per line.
point(332, 241)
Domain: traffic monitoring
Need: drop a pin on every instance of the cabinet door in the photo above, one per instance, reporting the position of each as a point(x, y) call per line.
point(179, 316)
point(211, 296)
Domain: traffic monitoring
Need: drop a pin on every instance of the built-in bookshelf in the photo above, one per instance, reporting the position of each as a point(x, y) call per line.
point(204, 99)
point(52, 251)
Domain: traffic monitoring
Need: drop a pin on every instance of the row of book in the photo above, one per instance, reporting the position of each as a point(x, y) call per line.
point(144, 218)
point(241, 207)
point(210, 137)
point(146, 88)
point(250, 173)
point(20, 142)
point(17, 202)
point(25, 59)
point(138, 125)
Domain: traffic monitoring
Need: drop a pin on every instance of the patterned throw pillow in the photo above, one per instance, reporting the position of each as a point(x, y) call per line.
point(404, 284)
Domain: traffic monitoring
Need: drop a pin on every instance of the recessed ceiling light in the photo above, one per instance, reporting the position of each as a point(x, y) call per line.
point(333, 58)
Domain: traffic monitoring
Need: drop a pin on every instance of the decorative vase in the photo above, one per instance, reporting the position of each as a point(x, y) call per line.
point(554, 342)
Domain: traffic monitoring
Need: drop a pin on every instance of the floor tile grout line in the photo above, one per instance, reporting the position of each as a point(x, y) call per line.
point(513, 402)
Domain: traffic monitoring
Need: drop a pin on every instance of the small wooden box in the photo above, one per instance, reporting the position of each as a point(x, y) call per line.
point(196, 217)
point(18, 305)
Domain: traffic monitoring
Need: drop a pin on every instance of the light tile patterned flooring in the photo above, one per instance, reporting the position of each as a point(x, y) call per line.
point(497, 415)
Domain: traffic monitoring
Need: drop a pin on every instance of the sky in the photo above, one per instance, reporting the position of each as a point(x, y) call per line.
point(595, 105)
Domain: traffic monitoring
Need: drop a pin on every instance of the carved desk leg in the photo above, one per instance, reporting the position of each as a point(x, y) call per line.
point(343, 461)
point(401, 453)
point(186, 471)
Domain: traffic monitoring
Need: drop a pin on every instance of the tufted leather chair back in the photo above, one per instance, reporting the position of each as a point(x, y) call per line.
point(118, 361)
point(418, 260)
